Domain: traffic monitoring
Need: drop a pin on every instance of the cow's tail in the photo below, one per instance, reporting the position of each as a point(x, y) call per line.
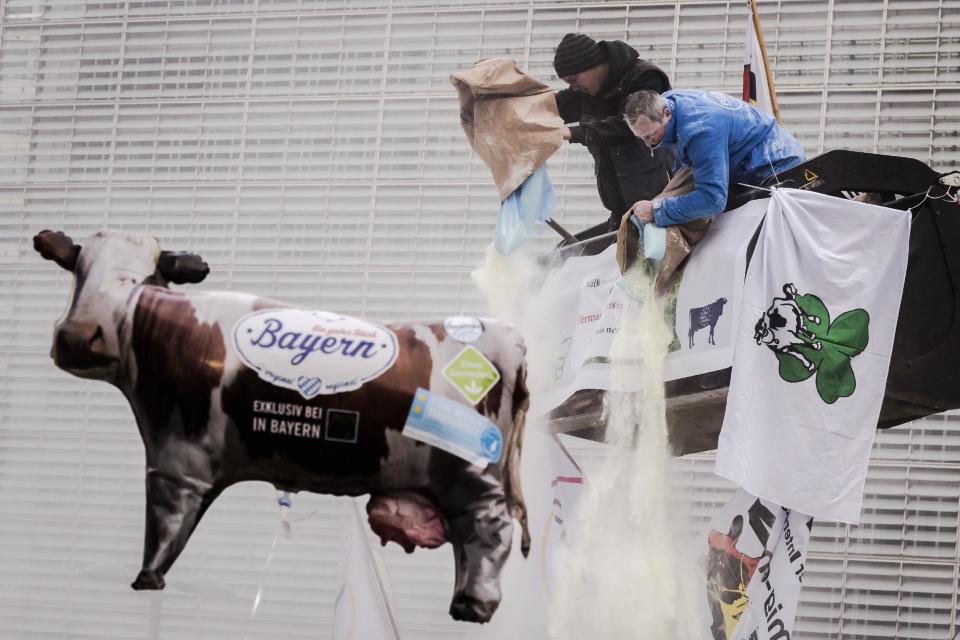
point(511, 482)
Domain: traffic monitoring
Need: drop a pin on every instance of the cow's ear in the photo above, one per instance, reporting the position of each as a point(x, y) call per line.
point(182, 267)
point(57, 246)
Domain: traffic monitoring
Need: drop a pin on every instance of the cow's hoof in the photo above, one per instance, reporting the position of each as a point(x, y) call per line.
point(467, 609)
point(148, 580)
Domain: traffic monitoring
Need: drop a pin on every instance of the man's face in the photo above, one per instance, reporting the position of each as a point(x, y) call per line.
point(588, 81)
point(650, 131)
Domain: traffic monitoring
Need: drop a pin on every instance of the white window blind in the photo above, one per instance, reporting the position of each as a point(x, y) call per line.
point(311, 151)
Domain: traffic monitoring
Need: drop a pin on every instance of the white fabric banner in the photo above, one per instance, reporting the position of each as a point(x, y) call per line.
point(565, 490)
point(755, 558)
point(774, 592)
point(813, 348)
point(553, 485)
point(581, 307)
point(364, 605)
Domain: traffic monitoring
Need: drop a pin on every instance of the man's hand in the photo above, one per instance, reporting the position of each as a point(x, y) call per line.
point(643, 210)
point(566, 132)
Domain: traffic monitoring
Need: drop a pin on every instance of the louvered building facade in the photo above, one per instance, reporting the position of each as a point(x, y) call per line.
point(311, 151)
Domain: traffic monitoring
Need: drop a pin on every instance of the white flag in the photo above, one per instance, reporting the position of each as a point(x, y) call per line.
point(756, 91)
point(364, 607)
point(813, 347)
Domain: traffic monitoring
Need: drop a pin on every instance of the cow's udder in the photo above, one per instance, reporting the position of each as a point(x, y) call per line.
point(408, 518)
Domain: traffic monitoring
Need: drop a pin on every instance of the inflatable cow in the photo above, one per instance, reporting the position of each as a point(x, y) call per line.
point(427, 418)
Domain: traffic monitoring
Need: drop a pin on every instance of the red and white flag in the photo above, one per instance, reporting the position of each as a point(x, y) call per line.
point(756, 91)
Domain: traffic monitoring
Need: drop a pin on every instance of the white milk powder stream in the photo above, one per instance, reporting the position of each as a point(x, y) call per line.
point(628, 569)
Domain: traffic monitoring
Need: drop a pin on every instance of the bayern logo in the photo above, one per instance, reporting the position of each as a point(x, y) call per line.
point(314, 352)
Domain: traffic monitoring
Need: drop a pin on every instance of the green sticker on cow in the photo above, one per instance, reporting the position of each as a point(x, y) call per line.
point(472, 374)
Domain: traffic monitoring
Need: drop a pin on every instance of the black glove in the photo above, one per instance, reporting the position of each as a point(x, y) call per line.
point(613, 223)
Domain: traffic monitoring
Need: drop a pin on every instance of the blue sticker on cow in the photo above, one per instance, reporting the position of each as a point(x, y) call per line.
point(454, 427)
point(491, 441)
point(314, 352)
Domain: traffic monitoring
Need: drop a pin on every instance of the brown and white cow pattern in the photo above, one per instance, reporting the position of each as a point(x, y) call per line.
point(172, 356)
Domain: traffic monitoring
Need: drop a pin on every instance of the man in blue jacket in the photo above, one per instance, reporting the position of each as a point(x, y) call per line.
point(723, 140)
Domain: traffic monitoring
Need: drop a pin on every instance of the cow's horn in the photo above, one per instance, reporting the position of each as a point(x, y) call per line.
point(57, 246)
point(181, 267)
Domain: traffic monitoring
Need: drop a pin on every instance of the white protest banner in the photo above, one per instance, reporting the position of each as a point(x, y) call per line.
point(565, 490)
point(364, 607)
point(708, 300)
point(813, 347)
point(774, 592)
point(581, 305)
point(736, 541)
point(756, 552)
point(552, 486)
point(573, 298)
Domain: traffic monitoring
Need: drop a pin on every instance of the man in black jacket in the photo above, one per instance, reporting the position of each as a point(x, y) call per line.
point(601, 75)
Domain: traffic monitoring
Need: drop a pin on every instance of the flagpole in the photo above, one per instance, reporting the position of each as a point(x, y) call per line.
point(766, 63)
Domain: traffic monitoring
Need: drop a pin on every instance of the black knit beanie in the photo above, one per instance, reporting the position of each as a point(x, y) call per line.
point(575, 53)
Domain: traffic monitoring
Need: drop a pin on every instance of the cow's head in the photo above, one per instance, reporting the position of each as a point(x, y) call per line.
point(106, 270)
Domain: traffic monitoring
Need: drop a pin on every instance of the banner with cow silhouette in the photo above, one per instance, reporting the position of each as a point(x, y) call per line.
point(816, 330)
point(581, 302)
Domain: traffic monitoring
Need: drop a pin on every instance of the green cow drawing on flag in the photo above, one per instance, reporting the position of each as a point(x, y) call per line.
point(797, 328)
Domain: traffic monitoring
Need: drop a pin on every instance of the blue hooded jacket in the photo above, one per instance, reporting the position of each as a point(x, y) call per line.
point(725, 141)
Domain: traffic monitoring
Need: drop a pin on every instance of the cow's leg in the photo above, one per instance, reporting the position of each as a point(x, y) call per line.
point(710, 339)
point(799, 356)
point(481, 530)
point(175, 505)
point(808, 338)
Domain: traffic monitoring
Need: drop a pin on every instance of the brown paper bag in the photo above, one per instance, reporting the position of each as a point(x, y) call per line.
point(681, 238)
point(510, 119)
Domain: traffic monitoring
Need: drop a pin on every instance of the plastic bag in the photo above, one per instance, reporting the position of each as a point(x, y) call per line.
point(654, 242)
point(654, 239)
point(524, 211)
